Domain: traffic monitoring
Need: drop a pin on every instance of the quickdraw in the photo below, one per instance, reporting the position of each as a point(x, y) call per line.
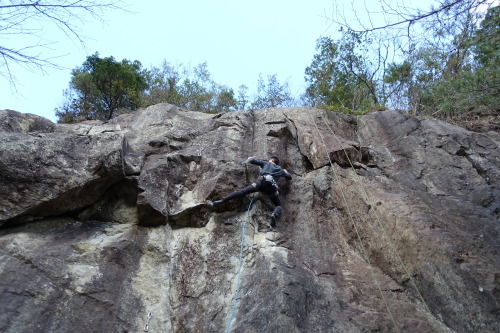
point(146, 327)
point(270, 179)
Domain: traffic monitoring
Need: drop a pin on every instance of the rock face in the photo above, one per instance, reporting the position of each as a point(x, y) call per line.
point(390, 224)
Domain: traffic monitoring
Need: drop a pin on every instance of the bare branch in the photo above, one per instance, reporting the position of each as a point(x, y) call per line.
point(445, 12)
point(18, 21)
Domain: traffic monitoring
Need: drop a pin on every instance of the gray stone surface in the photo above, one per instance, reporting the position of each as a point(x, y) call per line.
point(390, 224)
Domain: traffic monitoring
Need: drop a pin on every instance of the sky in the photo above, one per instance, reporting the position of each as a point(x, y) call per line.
point(238, 40)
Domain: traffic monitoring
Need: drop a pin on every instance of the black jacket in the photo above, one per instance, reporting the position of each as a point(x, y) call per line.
point(269, 168)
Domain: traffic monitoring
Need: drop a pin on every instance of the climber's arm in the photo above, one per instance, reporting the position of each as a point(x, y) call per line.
point(255, 161)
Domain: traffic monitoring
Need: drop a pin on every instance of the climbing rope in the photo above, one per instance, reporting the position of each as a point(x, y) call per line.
point(355, 225)
point(381, 227)
point(243, 228)
point(377, 219)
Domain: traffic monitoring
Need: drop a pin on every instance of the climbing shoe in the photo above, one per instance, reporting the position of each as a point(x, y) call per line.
point(217, 202)
point(273, 220)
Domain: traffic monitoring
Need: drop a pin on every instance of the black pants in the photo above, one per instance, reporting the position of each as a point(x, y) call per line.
point(264, 187)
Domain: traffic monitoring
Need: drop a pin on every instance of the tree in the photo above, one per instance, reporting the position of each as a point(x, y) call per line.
point(341, 74)
point(438, 65)
point(188, 87)
point(19, 20)
point(225, 100)
point(197, 90)
point(473, 89)
point(458, 80)
point(163, 85)
point(486, 39)
point(101, 87)
point(242, 101)
point(273, 94)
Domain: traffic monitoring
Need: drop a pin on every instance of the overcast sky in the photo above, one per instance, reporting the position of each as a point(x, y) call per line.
point(237, 39)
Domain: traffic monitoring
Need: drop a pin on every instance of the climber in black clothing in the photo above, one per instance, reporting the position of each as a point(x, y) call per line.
point(269, 174)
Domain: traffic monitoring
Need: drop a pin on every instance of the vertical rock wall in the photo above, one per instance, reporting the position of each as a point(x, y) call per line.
point(390, 224)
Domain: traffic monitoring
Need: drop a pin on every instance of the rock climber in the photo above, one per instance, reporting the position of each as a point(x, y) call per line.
point(266, 183)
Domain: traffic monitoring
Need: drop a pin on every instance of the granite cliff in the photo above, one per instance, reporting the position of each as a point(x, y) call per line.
point(390, 224)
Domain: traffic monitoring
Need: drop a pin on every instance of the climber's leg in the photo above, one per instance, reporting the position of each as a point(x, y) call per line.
point(275, 199)
point(240, 193)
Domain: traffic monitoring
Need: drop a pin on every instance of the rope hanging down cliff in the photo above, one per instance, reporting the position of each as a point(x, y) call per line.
point(243, 228)
point(377, 219)
point(355, 226)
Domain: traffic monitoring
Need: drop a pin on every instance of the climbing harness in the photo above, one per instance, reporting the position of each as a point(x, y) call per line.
point(243, 228)
point(270, 182)
point(267, 184)
point(146, 327)
point(269, 178)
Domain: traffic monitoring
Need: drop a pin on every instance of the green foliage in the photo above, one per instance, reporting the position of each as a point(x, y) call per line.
point(487, 40)
point(225, 100)
point(469, 85)
point(357, 112)
point(242, 102)
point(340, 76)
point(163, 85)
point(190, 88)
point(101, 87)
point(407, 81)
point(273, 94)
point(454, 72)
point(450, 69)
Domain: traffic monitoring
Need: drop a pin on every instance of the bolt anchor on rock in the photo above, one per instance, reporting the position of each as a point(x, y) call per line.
point(146, 327)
